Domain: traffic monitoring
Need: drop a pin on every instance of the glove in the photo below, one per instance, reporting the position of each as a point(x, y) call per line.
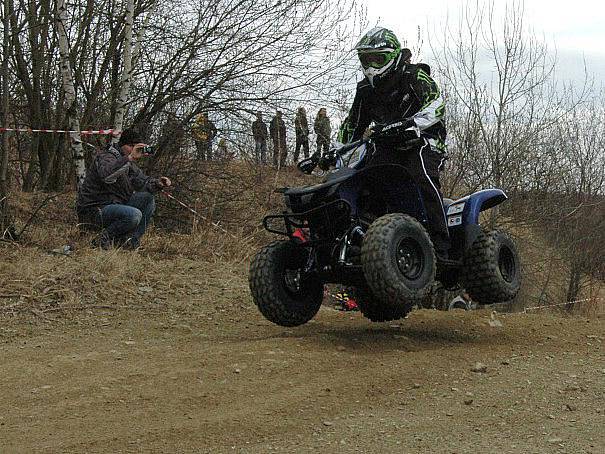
point(398, 134)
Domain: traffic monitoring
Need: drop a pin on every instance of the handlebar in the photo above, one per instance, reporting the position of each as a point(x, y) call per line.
point(400, 130)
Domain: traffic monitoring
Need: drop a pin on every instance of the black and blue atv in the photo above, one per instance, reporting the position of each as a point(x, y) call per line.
point(364, 226)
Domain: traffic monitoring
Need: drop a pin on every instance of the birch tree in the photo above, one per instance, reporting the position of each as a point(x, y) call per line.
point(70, 93)
point(126, 78)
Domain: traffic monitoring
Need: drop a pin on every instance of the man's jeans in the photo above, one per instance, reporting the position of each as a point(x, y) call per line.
point(130, 220)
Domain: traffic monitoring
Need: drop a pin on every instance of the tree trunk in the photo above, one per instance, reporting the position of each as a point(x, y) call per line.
point(126, 69)
point(70, 94)
point(5, 218)
point(573, 287)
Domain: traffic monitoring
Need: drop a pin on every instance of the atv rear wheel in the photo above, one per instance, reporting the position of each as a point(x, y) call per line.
point(398, 261)
point(280, 289)
point(492, 268)
point(373, 310)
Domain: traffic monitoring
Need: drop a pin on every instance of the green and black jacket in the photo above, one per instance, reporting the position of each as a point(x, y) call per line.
point(409, 94)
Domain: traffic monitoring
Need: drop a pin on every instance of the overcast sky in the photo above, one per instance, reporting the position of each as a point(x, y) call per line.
point(576, 29)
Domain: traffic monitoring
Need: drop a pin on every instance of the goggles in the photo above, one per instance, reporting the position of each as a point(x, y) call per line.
point(374, 59)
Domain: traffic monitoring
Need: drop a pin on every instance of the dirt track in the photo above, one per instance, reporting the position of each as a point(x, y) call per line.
point(225, 380)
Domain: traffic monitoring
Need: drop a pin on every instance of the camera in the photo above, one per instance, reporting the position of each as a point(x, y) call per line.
point(147, 150)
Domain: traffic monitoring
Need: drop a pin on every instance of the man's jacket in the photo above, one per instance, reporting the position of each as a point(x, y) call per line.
point(409, 94)
point(301, 125)
point(259, 130)
point(322, 127)
point(112, 178)
point(277, 128)
point(203, 130)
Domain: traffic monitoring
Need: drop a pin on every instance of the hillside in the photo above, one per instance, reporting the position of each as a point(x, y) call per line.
point(232, 200)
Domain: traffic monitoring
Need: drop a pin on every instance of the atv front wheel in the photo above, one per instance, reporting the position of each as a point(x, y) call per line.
point(283, 293)
point(492, 268)
point(398, 260)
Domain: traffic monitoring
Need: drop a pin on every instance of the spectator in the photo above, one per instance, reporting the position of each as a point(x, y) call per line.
point(204, 132)
point(323, 129)
point(116, 196)
point(277, 129)
point(301, 126)
point(172, 138)
point(259, 132)
point(222, 149)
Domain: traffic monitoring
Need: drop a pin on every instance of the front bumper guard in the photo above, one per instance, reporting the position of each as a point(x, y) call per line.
point(332, 213)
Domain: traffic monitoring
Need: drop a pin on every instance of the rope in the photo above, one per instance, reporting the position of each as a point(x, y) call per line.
point(560, 304)
point(195, 213)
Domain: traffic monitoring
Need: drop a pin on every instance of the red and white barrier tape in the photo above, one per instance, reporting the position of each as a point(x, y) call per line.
point(100, 132)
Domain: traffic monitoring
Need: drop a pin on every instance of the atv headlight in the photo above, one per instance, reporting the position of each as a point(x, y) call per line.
point(456, 208)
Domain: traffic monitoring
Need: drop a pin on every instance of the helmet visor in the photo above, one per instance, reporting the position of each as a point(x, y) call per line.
point(374, 59)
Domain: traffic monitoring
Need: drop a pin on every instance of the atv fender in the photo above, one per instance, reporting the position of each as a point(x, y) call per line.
point(463, 217)
point(474, 204)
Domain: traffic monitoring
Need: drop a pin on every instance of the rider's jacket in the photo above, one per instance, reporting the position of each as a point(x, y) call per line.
point(409, 94)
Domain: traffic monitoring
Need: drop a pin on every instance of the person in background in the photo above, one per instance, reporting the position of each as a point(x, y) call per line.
point(204, 132)
point(277, 129)
point(323, 129)
point(116, 196)
point(259, 132)
point(301, 126)
point(222, 151)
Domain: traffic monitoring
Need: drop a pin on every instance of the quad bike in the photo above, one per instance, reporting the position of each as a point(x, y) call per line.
point(366, 228)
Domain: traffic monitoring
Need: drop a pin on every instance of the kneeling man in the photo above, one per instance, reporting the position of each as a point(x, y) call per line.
point(116, 196)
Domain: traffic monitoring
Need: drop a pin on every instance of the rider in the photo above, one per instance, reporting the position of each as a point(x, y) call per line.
point(395, 90)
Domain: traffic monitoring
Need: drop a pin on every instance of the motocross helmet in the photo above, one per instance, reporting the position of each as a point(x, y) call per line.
point(379, 52)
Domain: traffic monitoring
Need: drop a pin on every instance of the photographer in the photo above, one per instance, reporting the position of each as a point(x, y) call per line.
point(117, 196)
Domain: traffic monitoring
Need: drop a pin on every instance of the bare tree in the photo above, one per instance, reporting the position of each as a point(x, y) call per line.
point(5, 219)
point(126, 78)
point(70, 93)
point(498, 78)
point(512, 125)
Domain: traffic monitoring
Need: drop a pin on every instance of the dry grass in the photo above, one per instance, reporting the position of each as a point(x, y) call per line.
point(545, 276)
point(231, 206)
point(46, 283)
point(202, 263)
